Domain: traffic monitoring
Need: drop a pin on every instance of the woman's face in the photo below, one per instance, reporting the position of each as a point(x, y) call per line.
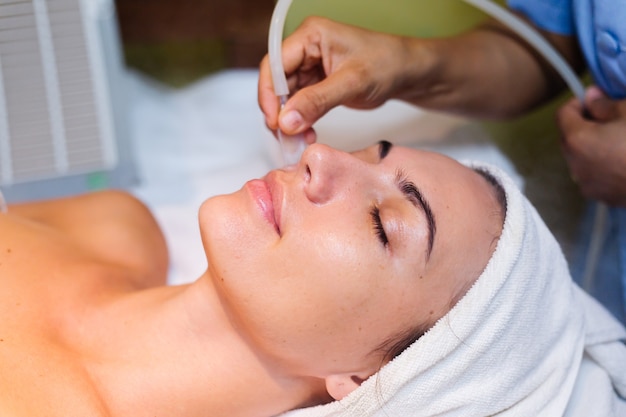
point(321, 263)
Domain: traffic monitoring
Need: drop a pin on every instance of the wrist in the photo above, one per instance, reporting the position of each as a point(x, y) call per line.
point(420, 75)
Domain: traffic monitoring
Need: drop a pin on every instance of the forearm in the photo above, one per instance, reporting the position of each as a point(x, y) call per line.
point(487, 72)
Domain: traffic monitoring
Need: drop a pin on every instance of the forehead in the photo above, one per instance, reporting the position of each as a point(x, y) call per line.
point(423, 163)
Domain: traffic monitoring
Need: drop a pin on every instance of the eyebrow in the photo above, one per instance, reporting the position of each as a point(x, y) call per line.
point(413, 195)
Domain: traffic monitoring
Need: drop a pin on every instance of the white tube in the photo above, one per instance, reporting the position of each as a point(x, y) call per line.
point(291, 147)
point(595, 245)
point(274, 47)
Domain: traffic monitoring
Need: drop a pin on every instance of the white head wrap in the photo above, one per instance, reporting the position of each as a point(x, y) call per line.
point(520, 342)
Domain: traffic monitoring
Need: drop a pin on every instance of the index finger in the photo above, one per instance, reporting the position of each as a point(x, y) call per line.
point(268, 102)
point(570, 117)
point(299, 50)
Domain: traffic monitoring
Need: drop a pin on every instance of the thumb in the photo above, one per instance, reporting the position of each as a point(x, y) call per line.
point(600, 107)
point(309, 104)
point(570, 119)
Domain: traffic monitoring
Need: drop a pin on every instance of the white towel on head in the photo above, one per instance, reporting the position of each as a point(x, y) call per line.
point(512, 346)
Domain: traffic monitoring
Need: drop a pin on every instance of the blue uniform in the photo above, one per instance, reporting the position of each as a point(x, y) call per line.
point(601, 31)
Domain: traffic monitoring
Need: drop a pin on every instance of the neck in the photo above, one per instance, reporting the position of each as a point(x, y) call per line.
point(172, 351)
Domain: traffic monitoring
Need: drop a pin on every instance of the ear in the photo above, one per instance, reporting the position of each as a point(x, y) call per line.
point(340, 385)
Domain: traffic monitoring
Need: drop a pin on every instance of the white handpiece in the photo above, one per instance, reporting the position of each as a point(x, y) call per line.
point(291, 146)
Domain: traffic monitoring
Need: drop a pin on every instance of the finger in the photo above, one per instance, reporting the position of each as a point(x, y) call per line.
point(268, 102)
point(309, 104)
point(274, 132)
point(267, 99)
point(310, 136)
point(576, 169)
point(570, 118)
point(599, 106)
point(300, 52)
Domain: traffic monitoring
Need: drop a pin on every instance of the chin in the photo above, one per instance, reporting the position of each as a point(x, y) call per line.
point(235, 241)
point(218, 228)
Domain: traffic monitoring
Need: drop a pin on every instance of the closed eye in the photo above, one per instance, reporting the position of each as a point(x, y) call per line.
point(378, 226)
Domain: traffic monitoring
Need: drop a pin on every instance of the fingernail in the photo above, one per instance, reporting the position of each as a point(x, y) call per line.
point(310, 136)
point(593, 93)
point(292, 120)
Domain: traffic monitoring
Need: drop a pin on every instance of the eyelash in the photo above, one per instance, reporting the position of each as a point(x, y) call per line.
point(378, 226)
point(402, 178)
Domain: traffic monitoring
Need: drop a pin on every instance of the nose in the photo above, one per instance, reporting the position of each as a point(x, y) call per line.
point(327, 172)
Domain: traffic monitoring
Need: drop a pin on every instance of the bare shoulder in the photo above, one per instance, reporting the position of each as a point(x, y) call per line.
point(112, 226)
point(85, 210)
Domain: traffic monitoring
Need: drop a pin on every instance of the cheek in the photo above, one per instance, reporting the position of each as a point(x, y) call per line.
point(314, 294)
point(337, 287)
point(336, 257)
point(324, 274)
point(321, 291)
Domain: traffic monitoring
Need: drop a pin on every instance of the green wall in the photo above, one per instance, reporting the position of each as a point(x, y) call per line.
point(423, 18)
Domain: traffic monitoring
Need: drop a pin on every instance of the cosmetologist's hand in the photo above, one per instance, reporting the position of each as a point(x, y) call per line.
point(595, 147)
point(330, 64)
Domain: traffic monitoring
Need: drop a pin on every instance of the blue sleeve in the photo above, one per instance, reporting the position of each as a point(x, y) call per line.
point(551, 15)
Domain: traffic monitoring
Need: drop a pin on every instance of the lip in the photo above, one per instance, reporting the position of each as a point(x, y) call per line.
point(276, 192)
point(265, 195)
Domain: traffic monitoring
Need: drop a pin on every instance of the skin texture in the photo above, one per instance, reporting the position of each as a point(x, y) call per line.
point(330, 64)
point(338, 302)
point(288, 314)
